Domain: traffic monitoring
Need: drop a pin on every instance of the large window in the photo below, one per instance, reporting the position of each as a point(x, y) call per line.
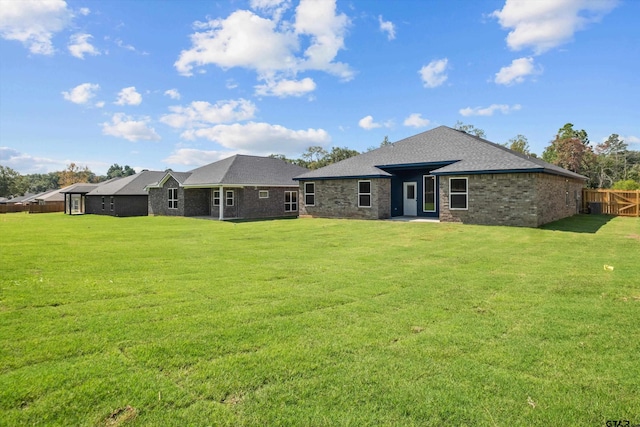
point(310, 193)
point(429, 194)
point(364, 194)
point(458, 193)
point(229, 198)
point(173, 198)
point(291, 201)
point(216, 197)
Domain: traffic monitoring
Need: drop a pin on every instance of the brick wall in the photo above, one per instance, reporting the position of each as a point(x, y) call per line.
point(338, 198)
point(159, 199)
point(514, 199)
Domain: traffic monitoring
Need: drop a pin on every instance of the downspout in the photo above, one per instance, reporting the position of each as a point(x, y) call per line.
point(221, 207)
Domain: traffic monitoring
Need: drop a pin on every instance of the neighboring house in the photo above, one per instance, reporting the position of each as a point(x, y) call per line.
point(49, 197)
point(444, 174)
point(75, 197)
point(238, 187)
point(122, 196)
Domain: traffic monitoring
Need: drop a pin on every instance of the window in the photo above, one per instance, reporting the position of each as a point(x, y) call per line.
point(229, 198)
point(111, 203)
point(429, 194)
point(291, 201)
point(173, 198)
point(310, 193)
point(364, 194)
point(458, 193)
point(263, 194)
point(102, 202)
point(216, 197)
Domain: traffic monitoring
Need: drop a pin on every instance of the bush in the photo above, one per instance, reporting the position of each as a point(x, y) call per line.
point(627, 184)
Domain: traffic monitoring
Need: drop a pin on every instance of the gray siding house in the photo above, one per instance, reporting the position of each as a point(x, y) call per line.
point(238, 187)
point(122, 196)
point(444, 174)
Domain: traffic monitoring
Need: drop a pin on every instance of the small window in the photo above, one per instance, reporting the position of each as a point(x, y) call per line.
point(310, 193)
point(173, 198)
point(263, 194)
point(229, 198)
point(458, 193)
point(111, 203)
point(364, 194)
point(216, 197)
point(291, 201)
point(102, 202)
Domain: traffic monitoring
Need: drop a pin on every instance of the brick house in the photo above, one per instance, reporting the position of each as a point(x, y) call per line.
point(238, 187)
point(443, 174)
point(122, 196)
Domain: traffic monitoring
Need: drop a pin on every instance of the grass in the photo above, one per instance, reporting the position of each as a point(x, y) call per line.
point(176, 321)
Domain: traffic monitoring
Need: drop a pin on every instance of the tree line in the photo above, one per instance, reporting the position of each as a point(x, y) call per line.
point(13, 184)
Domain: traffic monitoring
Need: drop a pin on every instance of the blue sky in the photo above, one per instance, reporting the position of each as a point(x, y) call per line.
point(162, 84)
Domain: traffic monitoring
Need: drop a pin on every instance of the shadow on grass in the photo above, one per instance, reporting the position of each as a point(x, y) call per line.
point(579, 223)
point(280, 218)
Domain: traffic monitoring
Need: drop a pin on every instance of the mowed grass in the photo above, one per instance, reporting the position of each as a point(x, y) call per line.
point(177, 321)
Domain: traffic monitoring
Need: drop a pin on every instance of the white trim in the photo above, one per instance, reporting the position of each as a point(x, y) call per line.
point(227, 198)
point(465, 194)
point(213, 197)
point(170, 199)
point(365, 194)
point(310, 194)
point(291, 202)
point(435, 193)
point(410, 206)
point(261, 192)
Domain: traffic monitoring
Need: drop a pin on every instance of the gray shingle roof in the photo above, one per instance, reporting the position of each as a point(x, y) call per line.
point(454, 151)
point(245, 170)
point(82, 188)
point(132, 185)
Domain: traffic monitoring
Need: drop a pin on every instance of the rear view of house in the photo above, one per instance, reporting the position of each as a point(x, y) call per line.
point(238, 187)
point(444, 174)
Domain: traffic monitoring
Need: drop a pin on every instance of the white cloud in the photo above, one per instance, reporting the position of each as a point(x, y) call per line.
point(34, 22)
point(516, 72)
point(368, 123)
point(488, 111)
point(543, 25)
point(195, 157)
point(28, 164)
point(261, 138)
point(172, 93)
point(85, 11)
point(268, 45)
point(202, 113)
point(415, 120)
point(284, 88)
point(79, 45)
point(123, 126)
point(123, 45)
point(82, 94)
point(387, 27)
point(630, 139)
point(433, 74)
point(129, 96)
point(275, 8)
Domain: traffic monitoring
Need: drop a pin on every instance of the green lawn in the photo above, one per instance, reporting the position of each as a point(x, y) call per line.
point(176, 321)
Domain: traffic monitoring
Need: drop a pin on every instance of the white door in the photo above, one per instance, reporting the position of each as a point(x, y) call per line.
point(410, 197)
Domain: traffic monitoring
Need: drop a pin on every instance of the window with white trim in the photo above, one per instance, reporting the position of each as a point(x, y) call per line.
point(364, 194)
point(111, 203)
point(458, 193)
point(310, 193)
point(429, 193)
point(216, 197)
point(229, 198)
point(291, 201)
point(173, 198)
point(263, 194)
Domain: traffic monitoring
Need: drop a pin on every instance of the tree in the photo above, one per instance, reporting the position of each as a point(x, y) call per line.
point(11, 182)
point(41, 182)
point(627, 184)
point(338, 154)
point(117, 171)
point(313, 157)
point(470, 129)
point(570, 150)
point(73, 174)
point(385, 141)
point(519, 144)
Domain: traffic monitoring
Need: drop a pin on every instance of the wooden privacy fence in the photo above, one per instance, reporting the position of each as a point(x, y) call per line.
point(611, 202)
point(33, 208)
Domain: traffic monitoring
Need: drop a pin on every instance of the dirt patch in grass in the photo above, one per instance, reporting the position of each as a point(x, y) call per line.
point(121, 416)
point(634, 236)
